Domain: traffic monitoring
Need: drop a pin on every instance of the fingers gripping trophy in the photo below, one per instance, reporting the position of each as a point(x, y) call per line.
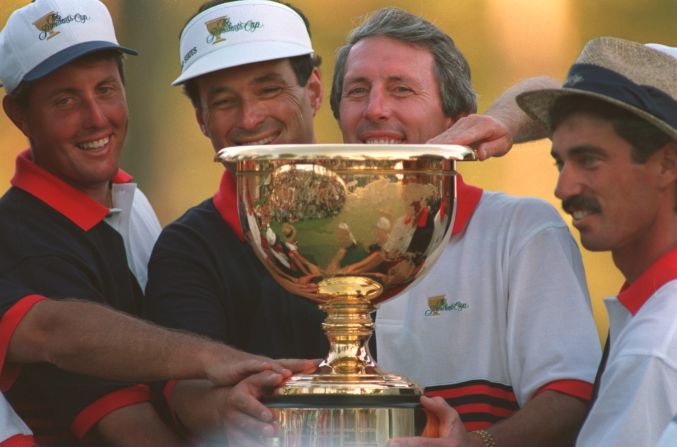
point(346, 227)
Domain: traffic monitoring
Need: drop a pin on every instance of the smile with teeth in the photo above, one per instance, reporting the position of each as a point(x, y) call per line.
point(96, 144)
point(580, 214)
point(259, 142)
point(382, 141)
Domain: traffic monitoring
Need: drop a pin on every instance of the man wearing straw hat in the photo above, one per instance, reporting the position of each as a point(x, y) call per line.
point(613, 127)
point(614, 139)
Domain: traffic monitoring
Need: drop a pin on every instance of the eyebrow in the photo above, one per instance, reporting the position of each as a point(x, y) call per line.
point(577, 150)
point(74, 89)
point(267, 78)
point(258, 80)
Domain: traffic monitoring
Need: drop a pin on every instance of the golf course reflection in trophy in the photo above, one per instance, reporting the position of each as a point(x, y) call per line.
point(346, 226)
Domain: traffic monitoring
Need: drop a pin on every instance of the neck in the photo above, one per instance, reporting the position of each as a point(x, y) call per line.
point(635, 258)
point(101, 194)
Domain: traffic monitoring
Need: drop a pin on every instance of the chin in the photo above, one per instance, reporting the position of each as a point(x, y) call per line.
point(593, 244)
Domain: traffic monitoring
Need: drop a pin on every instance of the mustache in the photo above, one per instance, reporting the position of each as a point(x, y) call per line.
point(581, 203)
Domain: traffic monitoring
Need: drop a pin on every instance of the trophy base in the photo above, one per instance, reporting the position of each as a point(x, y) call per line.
point(341, 420)
point(320, 385)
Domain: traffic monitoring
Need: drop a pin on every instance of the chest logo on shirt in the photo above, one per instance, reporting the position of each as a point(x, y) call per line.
point(438, 303)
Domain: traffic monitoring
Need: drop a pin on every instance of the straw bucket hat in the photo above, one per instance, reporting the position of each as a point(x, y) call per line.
point(630, 75)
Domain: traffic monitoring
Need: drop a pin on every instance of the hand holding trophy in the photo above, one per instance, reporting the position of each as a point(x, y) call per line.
point(346, 226)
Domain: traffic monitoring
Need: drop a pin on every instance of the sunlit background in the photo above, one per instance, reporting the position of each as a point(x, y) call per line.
point(504, 41)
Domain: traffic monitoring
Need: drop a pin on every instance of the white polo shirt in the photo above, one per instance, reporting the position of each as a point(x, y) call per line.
point(133, 217)
point(13, 431)
point(638, 389)
point(503, 314)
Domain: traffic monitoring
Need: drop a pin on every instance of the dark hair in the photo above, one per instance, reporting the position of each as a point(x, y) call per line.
point(22, 93)
point(301, 65)
point(644, 137)
point(451, 68)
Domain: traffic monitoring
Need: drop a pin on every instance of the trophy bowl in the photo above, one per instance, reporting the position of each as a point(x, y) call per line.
point(346, 226)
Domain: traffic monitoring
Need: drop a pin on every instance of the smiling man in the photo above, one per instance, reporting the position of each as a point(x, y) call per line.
point(73, 224)
point(250, 72)
point(511, 343)
point(614, 139)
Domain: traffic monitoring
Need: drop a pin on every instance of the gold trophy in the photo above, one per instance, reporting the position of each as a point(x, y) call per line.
point(346, 226)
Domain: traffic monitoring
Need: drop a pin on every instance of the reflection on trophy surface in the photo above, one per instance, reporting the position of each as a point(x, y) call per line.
point(347, 226)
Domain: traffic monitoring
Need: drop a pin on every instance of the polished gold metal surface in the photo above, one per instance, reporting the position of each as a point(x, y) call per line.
point(342, 427)
point(347, 226)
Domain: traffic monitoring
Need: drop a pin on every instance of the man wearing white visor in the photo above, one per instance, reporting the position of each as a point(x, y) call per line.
point(250, 72)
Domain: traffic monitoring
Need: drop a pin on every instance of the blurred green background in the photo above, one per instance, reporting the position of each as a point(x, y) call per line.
point(504, 41)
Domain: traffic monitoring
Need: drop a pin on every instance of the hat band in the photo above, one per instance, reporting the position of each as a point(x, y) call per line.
point(600, 80)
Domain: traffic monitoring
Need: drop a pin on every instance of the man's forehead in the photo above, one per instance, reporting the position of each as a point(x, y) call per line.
point(386, 48)
point(70, 76)
point(251, 73)
point(383, 57)
point(582, 130)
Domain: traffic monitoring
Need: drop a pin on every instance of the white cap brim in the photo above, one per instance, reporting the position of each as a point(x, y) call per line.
point(238, 33)
point(242, 54)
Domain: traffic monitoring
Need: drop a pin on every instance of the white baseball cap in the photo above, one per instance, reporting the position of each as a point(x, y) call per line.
point(47, 34)
point(239, 33)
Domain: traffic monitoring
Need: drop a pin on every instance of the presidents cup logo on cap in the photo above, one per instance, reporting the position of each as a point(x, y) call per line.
point(238, 33)
point(221, 25)
point(49, 22)
point(45, 35)
point(574, 79)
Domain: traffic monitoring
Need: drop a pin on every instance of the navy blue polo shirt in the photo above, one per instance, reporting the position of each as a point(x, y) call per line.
point(15, 302)
point(203, 277)
point(55, 242)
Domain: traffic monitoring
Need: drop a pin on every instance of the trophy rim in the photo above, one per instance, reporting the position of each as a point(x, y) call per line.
point(393, 152)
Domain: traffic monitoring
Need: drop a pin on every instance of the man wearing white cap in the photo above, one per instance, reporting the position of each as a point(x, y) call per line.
point(501, 327)
point(250, 72)
point(73, 226)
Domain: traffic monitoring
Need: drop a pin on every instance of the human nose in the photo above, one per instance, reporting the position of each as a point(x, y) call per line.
point(95, 114)
point(253, 114)
point(568, 183)
point(378, 107)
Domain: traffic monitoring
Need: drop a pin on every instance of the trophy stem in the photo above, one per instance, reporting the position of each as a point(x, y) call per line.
point(348, 327)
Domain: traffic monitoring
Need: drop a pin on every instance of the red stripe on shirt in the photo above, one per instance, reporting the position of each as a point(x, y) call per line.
point(96, 411)
point(476, 389)
point(467, 199)
point(18, 441)
point(74, 204)
point(571, 387)
point(225, 202)
point(8, 324)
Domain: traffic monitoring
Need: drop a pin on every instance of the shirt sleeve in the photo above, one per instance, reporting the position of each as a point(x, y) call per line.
point(67, 394)
point(551, 332)
point(19, 302)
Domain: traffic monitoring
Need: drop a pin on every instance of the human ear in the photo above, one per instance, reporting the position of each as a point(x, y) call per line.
point(668, 164)
point(314, 88)
point(16, 114)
